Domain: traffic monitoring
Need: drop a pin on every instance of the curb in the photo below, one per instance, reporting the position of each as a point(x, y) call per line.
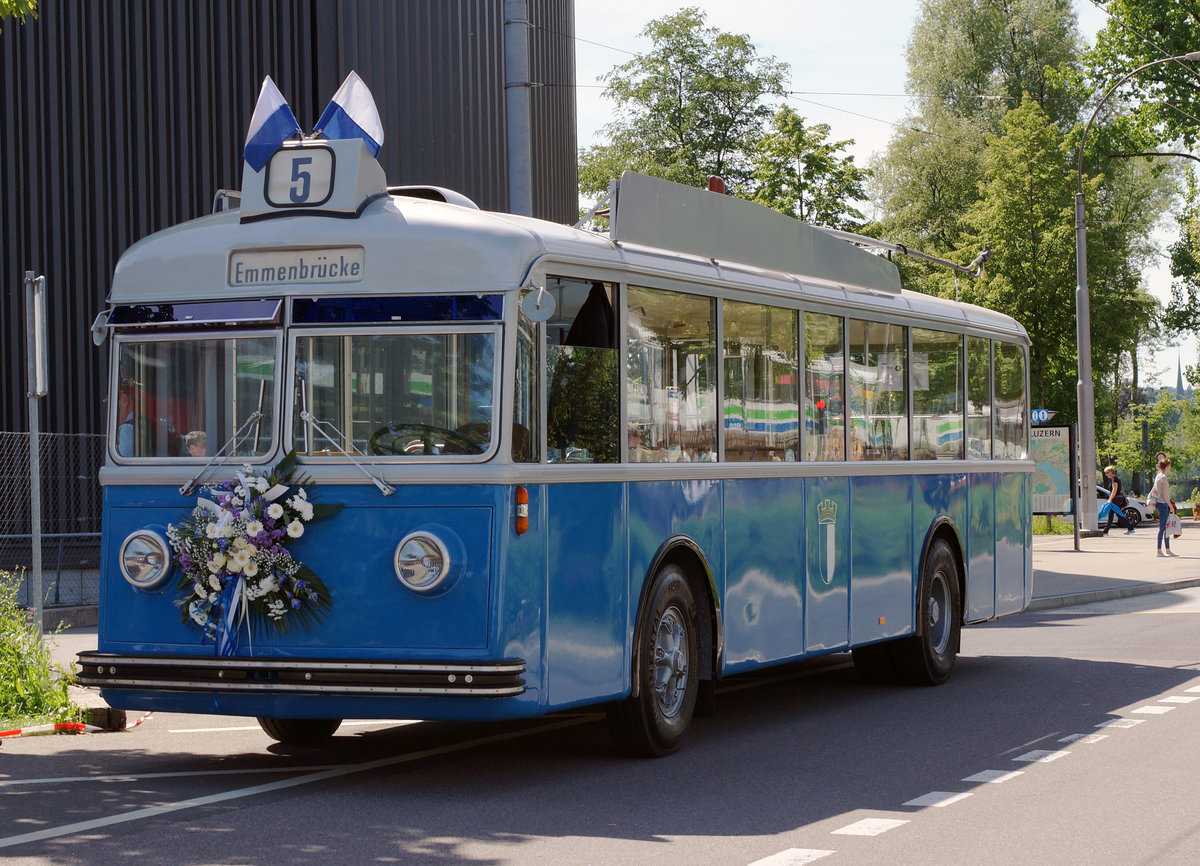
point(1057, 601)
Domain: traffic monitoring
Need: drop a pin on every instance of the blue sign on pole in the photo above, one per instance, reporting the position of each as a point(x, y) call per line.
point(1041, 416)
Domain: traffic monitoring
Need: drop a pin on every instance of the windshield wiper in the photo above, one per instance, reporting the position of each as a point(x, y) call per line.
point(318, 425)
point(217, 459)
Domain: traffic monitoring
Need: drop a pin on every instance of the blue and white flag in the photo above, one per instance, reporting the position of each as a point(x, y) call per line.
point(272, 124)
point(352, 114)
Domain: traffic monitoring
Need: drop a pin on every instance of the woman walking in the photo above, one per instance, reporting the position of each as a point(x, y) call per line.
point(1160, 493)
point(1115, 506)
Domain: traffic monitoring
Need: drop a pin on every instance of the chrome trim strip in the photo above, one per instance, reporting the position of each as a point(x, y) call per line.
point(300, 664)
point(220, 686)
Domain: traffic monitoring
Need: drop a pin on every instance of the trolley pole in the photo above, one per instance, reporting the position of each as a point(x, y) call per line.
point(35, 351)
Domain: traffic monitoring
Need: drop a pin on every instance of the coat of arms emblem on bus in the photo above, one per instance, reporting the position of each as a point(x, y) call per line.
point(827, 517)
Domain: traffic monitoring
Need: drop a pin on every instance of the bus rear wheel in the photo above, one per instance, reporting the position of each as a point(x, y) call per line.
point(299, 732)
point(652, 724)
point(928, 657)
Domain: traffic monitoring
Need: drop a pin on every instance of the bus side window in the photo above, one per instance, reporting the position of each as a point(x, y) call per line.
point(582, 383)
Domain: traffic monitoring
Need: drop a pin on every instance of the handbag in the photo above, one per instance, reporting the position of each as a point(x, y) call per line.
point(1174, 526)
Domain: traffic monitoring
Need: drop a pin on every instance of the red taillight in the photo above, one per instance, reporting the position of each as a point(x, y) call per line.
point(522, 510)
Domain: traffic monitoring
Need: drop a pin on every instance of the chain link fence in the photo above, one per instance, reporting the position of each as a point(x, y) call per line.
point(71, 510)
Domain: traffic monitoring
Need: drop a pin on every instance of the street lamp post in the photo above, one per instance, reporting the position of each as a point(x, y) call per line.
point(1085, 393)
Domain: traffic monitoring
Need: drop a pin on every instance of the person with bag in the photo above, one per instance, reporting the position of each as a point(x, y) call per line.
point(1160, 496)
point(1115, 506)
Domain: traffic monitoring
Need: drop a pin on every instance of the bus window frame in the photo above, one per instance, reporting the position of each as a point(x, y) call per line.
point(166, 335)
point(499, 353)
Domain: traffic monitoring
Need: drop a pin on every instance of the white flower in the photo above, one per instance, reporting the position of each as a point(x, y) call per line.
point(250, 568)
point(306, 510)
point(254, 527)
point(295, 529)
point(217, 562)
point(262, 484)
point(214, 582)
point(212, 530)
point(275, 511)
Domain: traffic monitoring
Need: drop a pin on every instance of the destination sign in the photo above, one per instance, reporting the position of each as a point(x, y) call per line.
point(296, 267)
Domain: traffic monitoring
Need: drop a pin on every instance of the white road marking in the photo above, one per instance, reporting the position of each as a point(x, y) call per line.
point(238, 793)
point(1041, 756)
point(351, 724)
point(793, 857)
point(937, 799)
point(1152, 710)
point(1084, 738)
point(1120, 723)
point(1193, 689)
point(994, 776)
point(1177, 699)
point(869, 827)
point(137, 777)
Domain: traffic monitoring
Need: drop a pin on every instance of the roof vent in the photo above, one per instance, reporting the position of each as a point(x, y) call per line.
point(433, 193)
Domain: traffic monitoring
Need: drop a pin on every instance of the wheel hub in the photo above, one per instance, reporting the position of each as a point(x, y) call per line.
point(670, 661)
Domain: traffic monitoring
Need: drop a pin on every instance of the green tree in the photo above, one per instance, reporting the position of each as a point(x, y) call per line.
point(1024, 215)
point(18, 9)
point(798, 172)
point(694, 105)
point(1140, 31)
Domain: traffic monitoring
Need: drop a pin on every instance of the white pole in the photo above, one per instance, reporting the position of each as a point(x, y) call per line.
point(517, 88)
point(35, 352)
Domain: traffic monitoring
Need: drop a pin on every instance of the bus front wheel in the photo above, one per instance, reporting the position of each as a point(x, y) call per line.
point(653, 723)
point(299, 732)
point(927, 658)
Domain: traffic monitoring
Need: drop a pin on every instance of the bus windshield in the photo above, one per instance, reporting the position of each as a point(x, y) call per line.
point(407, 394)
point(184, 398)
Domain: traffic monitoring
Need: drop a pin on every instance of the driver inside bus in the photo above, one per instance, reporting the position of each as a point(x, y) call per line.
point(126, 399)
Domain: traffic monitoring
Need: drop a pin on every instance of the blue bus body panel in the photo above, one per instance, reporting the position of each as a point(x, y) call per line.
point(588, 591)
point(764, 596)
point(882, 554)
point(564, 597)
point(981, 555)
point(827, 557)
point(1014, 545)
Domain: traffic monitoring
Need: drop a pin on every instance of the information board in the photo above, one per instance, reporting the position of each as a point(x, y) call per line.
point(1050, 447)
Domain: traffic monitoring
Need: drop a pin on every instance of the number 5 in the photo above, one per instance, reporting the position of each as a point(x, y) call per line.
point(301, 177)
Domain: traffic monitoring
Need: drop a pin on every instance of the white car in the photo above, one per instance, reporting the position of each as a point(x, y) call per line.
point(1136, 510)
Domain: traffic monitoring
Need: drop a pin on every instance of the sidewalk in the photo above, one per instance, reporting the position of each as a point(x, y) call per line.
point(1112, 566)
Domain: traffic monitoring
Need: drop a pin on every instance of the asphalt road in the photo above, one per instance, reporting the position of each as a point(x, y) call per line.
point(1064, 736)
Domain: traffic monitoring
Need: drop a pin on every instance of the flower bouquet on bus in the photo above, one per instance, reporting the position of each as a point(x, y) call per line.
point(237, 570)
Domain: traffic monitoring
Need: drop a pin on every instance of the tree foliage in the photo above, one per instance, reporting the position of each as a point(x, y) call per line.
point(20, 10)
point(797, 170)
point(692, 106)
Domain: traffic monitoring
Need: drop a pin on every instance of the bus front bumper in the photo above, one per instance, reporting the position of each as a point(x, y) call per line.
point(292, 676)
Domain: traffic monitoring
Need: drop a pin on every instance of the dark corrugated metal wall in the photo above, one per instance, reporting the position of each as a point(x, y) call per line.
point(123, 117)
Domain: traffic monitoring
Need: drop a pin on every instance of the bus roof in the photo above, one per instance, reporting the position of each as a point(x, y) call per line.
point(415, 245)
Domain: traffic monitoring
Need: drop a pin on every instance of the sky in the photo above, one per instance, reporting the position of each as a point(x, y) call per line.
point(848, 69)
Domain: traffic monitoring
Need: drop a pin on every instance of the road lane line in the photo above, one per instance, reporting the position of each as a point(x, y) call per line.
point(238, 793)
point(1153, 710)
point(1177, 699)
point(793, 857)
point(869, 827)
point(1086, 739)
point(937, 799)
point(1120, 723)
point(357, 723)
point(138, 777)
point(1042, 756)
point(994, 776)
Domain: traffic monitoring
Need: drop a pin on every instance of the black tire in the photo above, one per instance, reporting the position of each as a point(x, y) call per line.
point(299, 732)
point(667, 671)
point(1133, 516)
point(926, 658)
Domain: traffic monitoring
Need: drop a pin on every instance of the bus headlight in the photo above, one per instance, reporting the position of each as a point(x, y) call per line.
point(422, 562)
point(145, 559)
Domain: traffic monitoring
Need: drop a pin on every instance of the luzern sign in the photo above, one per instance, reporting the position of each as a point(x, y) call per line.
point(315, 178)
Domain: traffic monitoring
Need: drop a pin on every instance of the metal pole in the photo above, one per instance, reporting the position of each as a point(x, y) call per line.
point(516, 99)
point(1085, 393)
point(35, 457)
